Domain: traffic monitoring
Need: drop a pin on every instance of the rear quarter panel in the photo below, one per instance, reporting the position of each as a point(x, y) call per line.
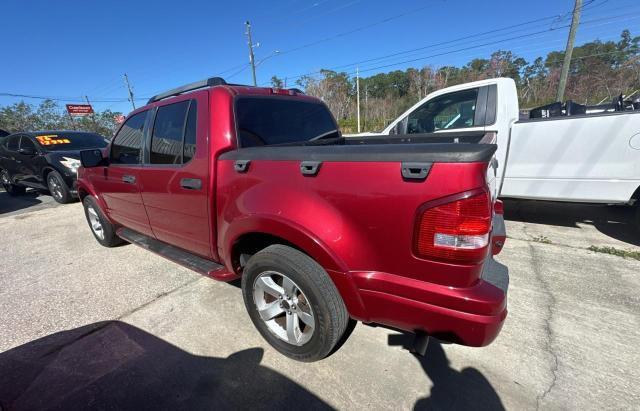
point(351, 216)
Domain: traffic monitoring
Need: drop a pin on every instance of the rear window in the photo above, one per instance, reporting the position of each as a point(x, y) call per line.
point(264, 121)
point(70, 141)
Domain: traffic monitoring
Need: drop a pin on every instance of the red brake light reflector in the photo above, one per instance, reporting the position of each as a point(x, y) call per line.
point(283, 91)
point(457, 231)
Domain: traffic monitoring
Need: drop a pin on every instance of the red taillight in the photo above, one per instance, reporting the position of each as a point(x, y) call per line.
point(498, 207)
point(457, 231)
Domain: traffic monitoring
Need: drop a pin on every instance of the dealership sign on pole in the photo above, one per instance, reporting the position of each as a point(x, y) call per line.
point(79, 109)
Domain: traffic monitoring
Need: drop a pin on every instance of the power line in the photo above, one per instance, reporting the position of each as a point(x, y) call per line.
point(70, 99)
point(449, 52)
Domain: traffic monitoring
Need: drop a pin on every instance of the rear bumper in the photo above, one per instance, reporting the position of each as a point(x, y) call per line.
point(469, 316)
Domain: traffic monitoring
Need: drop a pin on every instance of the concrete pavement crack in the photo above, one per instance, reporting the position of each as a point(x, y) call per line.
point(549, 335)
point(157, 297)
point(120, 317)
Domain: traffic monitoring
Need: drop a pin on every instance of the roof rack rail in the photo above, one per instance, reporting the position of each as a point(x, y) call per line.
point(210, 82)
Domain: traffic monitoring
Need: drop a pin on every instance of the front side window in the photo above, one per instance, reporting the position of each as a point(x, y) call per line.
point(127, 144)
point(168, 130)
point(447, 112)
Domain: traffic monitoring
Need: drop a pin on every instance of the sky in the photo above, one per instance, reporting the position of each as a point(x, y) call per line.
point(70, 49)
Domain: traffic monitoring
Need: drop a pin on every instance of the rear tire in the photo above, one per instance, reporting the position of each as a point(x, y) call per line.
point(10, 188)
point(293, 292)
point(102, 229)
point(58, 188)
point(637, 218)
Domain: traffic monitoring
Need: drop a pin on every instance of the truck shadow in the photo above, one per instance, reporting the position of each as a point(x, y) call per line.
point(616, 222)
point(468, 389)
point(114, 365)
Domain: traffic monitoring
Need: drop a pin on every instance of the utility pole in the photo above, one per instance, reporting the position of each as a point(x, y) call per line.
point(575, 20)
point(358, 94)
point(366, 104)
point(126, 81)
point(252, 60)
point(93, 115)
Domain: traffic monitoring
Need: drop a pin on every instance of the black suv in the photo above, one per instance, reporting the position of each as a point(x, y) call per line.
point(45, 160)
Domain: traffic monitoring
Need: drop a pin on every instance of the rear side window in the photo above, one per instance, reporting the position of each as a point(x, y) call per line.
point(127, 144)
point(263, 121)
point(26, 142)
point(174, 133)
point(13, 142)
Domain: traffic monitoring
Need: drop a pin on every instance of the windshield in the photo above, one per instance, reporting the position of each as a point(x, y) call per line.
point(71, 141)
point(264, 121)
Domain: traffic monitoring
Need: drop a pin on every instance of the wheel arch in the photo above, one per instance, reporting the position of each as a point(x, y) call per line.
point(256, 233)
point(279, 232)
point(261, 231)
point(45, 172)
point(636, 195)
point(85, 190)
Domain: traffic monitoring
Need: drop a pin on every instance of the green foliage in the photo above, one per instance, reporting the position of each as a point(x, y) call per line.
point(615, 251)
point(49, 116)
point(276, 82)
point(599, 71)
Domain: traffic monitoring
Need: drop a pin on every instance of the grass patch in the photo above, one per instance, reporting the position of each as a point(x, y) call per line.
point(541, 239)
point(616, 251)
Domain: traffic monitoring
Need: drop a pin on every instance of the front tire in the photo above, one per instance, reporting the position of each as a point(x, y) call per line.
point(10, 188)
point(293, 303)
point(58, 188)
point(102, 229)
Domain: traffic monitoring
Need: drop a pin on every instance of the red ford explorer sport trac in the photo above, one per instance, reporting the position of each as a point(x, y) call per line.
point(258, 183)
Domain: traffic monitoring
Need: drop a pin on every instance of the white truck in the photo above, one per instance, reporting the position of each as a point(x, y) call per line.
point(568, 155)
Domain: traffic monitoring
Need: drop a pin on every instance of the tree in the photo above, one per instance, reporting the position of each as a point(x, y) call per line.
point(48, 116)
point(276, 82)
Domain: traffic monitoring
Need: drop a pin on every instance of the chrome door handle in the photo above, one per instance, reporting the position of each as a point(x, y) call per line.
point(129, 179)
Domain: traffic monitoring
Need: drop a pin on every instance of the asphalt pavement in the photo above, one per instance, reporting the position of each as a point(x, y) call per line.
point(83, 326)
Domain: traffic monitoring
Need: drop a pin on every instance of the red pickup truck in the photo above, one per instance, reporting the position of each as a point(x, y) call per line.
point(258, 183)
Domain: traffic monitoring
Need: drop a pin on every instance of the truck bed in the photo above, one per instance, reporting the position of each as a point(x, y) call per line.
point(272, 185)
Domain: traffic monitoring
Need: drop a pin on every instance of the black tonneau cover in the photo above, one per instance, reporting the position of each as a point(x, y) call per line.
point(371, 149)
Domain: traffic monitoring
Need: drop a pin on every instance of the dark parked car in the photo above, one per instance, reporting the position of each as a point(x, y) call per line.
point(3, 133)
point(45, 160)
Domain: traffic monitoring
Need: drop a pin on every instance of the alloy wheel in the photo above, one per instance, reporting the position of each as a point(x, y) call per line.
point(284, 308)
point(55, 187)
point(96, 224)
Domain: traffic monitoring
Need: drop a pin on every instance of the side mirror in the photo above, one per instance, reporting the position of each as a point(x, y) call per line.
point(27, 151)
point(92, 158)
